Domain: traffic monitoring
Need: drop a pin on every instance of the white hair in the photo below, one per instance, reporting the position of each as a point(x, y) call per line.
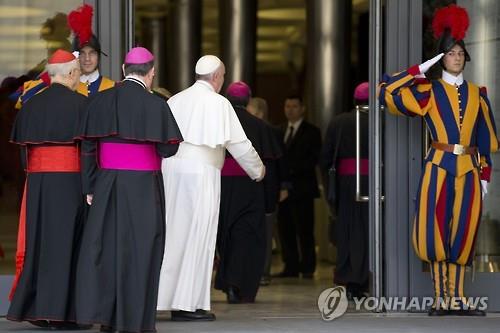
point(206, 77)
point(63, 68)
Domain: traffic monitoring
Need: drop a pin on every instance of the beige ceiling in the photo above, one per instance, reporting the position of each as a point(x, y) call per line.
point(281, 29)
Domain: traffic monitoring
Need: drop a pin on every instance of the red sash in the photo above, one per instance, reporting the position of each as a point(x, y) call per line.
point(64, 158)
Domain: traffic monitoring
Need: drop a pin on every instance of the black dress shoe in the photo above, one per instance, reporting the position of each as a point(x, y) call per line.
point(433, 312)
point(39, 323)
point(286, 274)
point(198, 315)
point(233, 296)
point(68, 326)
point(107, 329)
point(468, 313)
point(307, 275)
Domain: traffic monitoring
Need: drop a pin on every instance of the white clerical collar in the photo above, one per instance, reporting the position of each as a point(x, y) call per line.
point(452, 79)
point(206, 84)
point(296, 124)
point(137, 80)
point(90, 77)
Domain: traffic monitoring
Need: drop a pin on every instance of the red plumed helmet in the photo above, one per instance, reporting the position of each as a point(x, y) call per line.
point(452, 17)
point(450, 25)
point(80, 22)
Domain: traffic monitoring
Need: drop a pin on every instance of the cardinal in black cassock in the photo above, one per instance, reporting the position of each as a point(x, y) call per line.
point(127, 130)
point(52, 209)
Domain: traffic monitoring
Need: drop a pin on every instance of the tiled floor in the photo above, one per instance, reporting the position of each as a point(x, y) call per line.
point(290, 305)
point(287, 305)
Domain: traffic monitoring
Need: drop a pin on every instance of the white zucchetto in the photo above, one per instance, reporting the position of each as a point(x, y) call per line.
point(207, 64)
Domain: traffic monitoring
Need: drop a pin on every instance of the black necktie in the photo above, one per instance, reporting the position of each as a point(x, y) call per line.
point(289, 137)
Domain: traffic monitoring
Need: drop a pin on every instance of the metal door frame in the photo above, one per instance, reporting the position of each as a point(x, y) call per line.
point(403, 165)
point(398, 271)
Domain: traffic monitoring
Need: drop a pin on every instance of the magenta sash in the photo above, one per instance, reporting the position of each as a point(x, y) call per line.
point(347, 167)
point(231, 168)
point(129, 156)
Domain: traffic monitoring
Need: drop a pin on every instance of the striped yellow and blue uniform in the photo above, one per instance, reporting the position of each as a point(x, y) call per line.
point(33, 87)
point(102, 83)
point(29, 89)
point(448, 207)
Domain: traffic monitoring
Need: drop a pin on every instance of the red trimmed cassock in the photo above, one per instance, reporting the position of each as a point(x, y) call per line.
point(52, 209)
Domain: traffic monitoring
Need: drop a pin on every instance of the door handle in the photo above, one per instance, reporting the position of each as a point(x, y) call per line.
point(359, 196)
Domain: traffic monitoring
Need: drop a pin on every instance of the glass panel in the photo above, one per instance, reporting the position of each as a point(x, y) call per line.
point(483, 42)
point(30, 30)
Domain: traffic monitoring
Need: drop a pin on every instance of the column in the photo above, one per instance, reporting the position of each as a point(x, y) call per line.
point(238, 31)
point(183, 43)
point(328, 58)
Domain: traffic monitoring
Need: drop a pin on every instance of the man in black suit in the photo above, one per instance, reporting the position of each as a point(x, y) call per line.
point(296, 213)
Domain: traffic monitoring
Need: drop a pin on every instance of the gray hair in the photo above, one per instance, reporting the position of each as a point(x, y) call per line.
point(208, 77)
point(62, 69)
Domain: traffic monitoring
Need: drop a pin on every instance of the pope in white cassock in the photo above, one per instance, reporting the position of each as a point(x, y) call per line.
point(209, 126)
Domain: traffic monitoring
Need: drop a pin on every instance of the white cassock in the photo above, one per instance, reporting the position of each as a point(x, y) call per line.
point(209, 125)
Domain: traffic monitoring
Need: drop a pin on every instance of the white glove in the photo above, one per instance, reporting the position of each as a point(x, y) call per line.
point(89, 199)
point(484, 188)
point(424, 67)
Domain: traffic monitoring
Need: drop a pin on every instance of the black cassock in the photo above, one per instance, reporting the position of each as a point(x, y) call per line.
point(54, 205)
point(123, 241)
point(241, 237)
point(351, 228)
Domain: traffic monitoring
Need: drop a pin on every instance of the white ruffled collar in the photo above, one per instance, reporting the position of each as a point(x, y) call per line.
point(452, 79)
point(90, 77)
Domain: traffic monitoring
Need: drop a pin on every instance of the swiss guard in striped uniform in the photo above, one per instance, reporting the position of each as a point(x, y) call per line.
point(458, 164)
point(89, 48)
point(30, 88)
point(52, 208)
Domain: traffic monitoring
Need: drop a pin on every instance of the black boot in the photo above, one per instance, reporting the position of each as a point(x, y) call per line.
point(433, 312)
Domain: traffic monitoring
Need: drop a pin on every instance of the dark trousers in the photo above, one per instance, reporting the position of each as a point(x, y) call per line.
point(296, 229)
